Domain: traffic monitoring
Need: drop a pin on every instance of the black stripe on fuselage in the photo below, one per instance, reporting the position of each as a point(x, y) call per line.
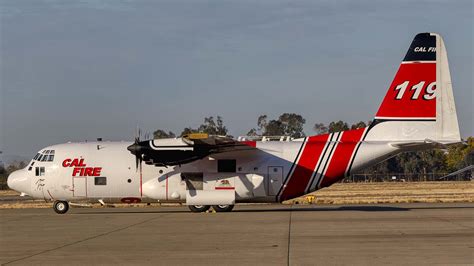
point(320, 162)
point(328, 160)
point(291, 168)
point(357, 149)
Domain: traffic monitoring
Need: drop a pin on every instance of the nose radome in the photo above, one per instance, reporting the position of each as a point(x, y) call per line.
point(18, 180)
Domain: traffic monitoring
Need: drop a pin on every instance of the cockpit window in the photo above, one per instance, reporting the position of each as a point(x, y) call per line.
point(51, 156)
point(45, 156)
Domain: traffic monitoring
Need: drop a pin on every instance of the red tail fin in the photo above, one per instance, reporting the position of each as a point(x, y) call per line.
point(411, 95)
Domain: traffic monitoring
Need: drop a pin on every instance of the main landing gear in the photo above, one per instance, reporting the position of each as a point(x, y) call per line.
point(60, 207)
point(217, 208)
point(223, 208)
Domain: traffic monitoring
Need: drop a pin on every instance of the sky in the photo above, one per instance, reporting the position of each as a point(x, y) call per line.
point(78, 70)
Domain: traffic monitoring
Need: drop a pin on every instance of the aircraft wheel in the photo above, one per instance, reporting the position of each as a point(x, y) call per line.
point(223, 208)
point(199, 208)
point(60, 206)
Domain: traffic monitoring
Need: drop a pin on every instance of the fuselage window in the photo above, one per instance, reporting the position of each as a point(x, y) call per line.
point(226, 166)
point(100, 181)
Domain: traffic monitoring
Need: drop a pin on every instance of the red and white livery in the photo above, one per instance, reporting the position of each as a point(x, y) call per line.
point(418, 112)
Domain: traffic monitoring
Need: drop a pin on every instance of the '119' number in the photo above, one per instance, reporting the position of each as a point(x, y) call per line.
point(418, 88)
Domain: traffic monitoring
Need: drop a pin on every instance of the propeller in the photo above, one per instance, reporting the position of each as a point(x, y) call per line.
point(135, 149)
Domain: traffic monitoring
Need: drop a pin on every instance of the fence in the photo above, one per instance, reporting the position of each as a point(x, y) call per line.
point(411, 177)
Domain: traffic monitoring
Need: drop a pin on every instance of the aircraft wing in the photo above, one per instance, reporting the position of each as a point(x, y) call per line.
point(176, 151)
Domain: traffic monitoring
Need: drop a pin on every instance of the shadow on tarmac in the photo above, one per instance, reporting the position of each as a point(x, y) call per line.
point(362, 208)
point(329, 209)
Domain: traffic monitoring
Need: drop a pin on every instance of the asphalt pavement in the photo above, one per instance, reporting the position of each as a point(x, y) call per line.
point(252, 234)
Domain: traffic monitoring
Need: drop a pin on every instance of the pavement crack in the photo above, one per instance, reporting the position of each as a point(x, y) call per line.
point(82, 240)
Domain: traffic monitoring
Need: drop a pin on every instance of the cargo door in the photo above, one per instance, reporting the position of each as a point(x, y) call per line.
point(80, 186)
point(274, 180)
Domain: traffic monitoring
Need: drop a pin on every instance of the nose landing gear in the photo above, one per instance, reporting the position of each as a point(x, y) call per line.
point(60, 207)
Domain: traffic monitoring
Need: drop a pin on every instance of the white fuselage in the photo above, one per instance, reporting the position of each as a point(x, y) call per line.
point(273, 172)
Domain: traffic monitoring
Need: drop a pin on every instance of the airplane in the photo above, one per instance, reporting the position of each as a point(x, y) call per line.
point(418, 112)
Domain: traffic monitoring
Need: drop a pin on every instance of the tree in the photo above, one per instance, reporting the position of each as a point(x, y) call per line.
point(187, 131)
point(262, 123)
point(13, 167)
point(320, 128)
point(252, 132)
point(288, 124)
point(460, 155)
point(338, 126)
point(221, 129)
point(212, 127)
point(261, 127)
point(274, 128)
point(3, 175)
point(292, 125)
point(360, 124)
point(469, 153)
point(161, 134)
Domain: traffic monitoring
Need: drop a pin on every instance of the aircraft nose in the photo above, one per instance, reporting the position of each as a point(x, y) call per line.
point(18, 181)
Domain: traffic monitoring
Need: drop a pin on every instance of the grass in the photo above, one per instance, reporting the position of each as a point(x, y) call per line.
point(391, 192)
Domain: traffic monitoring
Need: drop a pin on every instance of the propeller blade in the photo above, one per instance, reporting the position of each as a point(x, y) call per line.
point(135, 149)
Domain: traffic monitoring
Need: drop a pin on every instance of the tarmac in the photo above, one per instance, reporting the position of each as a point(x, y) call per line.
point(252, 234)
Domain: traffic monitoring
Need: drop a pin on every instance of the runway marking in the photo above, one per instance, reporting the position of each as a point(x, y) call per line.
point(82, 240)
point(289, 237)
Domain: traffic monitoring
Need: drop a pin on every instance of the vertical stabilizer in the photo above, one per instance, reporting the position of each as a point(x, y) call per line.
point(419, 104)
point(448, 128)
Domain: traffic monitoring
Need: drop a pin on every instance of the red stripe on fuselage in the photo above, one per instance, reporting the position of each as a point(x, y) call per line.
point(305, 167)
point(341, 157)
point(250, 143)
point(224, 188)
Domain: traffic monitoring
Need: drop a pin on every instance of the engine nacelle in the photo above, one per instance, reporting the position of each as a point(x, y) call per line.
point(165, 187)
